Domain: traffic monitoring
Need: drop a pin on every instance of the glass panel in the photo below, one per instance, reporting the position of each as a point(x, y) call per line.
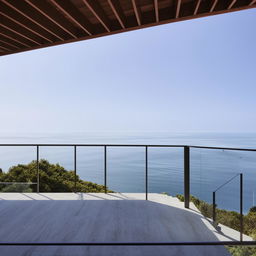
point(17, 169)
point(56, 169)
point(90, 168)
point(166, 170)
point(126, 169)
point(210, 169)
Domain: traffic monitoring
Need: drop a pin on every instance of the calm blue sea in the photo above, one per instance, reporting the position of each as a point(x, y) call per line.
point(126, 166)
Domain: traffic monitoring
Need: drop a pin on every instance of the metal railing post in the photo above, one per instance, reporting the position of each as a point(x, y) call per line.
point(105, 168)
point(75, 188)
point(37, 168)
point(186, 177)
point(146, 172)
point(241, 208)
point(213, 207)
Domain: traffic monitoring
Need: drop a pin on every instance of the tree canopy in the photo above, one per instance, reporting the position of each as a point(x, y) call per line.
point(52, 177)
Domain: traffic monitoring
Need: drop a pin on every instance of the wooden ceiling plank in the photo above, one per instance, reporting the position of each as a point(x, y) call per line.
point(231, 4)
point(116, 8)
point(18, 31)
point(73, 14)
point(213, 5)
point(137, 12)
point(20, 25)
point(23, 32)
point(98, 12)
point(32, 16)
point(178, 9)
point(5, 49)
point(22, 21)
point(14, 39)
point(11, 42)
point(8, 43)
point(53, 15)
point(156, 10)
point(197, 7)
point(252, 2)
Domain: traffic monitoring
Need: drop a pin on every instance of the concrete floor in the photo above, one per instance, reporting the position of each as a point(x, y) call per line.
point(96, 217)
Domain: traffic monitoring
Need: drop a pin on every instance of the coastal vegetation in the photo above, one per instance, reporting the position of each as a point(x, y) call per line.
point(232, 220)
point(53, 178)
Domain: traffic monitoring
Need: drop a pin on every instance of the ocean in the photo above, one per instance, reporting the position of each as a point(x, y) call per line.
point(126, 166)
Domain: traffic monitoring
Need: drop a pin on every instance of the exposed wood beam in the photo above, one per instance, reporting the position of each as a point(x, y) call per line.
point(23, 21)
point(178, 9)
point(23, 32)
point(213, 5)
point(98, 12)
point(252, 2)
point(116, 8)
point(10, 44)
point(156, 10)
point(137, 12)
point(73, 14)
point(197, 6)
point(18, 31)
point(53, 15)
point(5, 49)
point(5, 34)
point(32, 16)
point(7, 39)
point(231, 4)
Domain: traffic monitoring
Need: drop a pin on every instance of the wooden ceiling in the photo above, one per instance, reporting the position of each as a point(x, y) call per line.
point(32, 24)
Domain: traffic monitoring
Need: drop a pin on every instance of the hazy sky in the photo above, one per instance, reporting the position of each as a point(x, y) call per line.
point(197, 75)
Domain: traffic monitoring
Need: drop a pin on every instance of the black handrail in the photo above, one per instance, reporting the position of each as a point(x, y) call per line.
point(191, 243)
point(241, 202)
point(122, 145)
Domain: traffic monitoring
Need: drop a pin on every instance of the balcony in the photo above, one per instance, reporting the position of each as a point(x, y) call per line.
point(112, 223)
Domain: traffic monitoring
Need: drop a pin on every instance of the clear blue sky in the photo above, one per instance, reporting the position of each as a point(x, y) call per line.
point(197, 75)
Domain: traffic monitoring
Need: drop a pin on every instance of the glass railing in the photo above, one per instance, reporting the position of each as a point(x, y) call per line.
point(218, 182)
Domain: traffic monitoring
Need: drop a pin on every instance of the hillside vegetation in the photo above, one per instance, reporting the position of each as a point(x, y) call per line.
point(232, 220)
point(53, 178)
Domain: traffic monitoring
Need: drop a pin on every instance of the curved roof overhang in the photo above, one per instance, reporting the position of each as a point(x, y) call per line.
point(33, 24)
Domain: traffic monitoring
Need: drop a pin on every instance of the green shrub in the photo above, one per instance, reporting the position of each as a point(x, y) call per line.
point(21, 188)
point(53, 178)
point(180, 197)
point(242, 251)
point(206, 209)
point(253, 209)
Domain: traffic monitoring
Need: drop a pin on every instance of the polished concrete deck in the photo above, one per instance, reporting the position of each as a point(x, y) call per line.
point(97, 217)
